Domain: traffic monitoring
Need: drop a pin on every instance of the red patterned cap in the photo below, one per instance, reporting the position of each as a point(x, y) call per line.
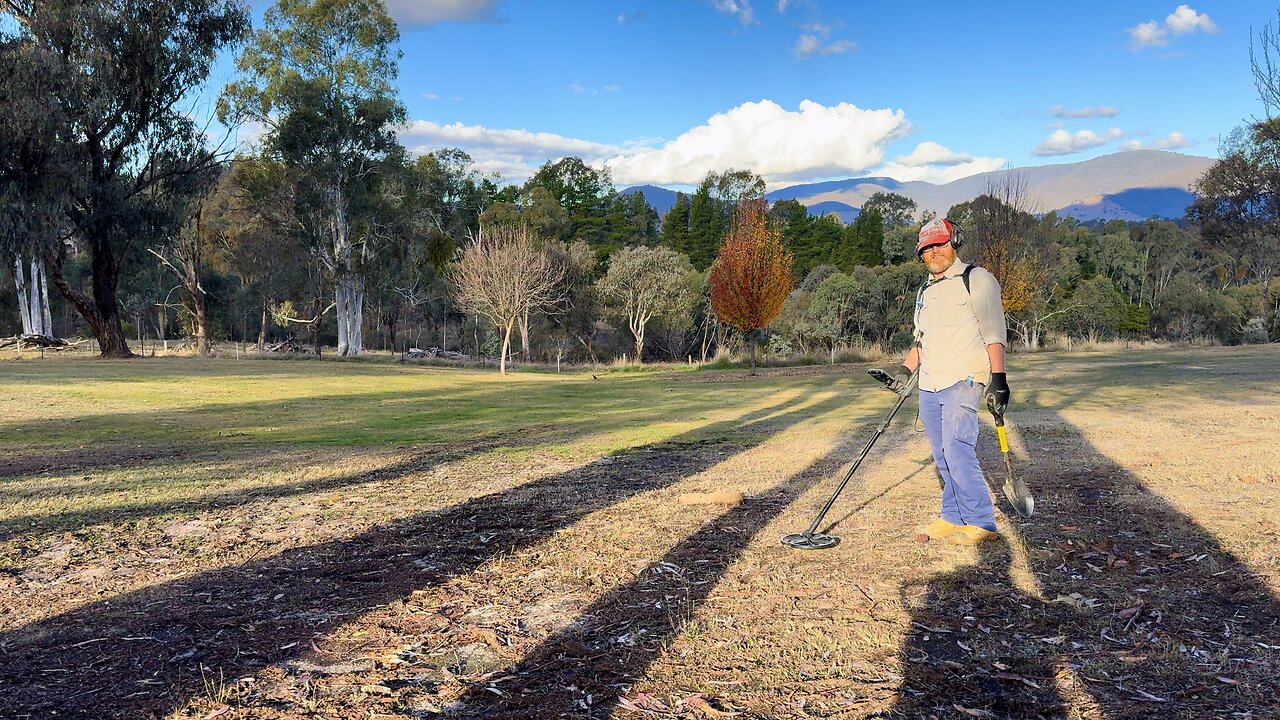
point(934, 232)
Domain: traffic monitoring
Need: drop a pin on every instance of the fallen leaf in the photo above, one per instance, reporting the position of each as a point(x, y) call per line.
point(1129, 612)
point(375, 689)
point(972, 712)
point(1227, 680)
point(577, 649)
point(644, 702)
point(699, 703)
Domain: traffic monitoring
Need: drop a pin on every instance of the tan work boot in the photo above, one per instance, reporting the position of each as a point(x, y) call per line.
point(936, 530)
point(970, 535)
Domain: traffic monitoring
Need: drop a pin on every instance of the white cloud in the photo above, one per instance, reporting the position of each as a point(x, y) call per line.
point(1061, 111)
point(809, 45)
point(579, 88)
point(1061, 142)
point(935, 163)
point(940, 175)
point(813, 142)
point(1181, 21)
point(931, 153)
point(740, 8)
point(1185, 20)
point(624, 18)
point(1173, 141)
point(780, 145)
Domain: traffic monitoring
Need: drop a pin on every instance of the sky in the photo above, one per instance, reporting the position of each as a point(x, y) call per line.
point(665, 91)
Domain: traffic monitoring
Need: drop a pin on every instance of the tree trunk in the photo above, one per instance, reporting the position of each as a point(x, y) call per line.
point(506, 344)
point(524, 336)
point(100, 311)
point(202, 325)
point(355, 327)
point(262, 328)
point(751, 350)
point(340, 308)
point(315, 324)
point(349, 296)
point(24, 304)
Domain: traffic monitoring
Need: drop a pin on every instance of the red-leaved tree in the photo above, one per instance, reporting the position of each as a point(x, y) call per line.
point(751, 277)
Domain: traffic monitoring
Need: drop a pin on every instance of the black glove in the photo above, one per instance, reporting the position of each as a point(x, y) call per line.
point(997, 394)
point(900, 379)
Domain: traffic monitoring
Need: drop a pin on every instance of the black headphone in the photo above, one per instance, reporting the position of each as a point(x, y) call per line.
point(957, 237)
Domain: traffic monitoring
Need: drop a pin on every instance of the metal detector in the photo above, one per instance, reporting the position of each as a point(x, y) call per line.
point(811, 539)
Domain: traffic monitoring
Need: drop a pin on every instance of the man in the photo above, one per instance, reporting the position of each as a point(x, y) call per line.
point(959, 349)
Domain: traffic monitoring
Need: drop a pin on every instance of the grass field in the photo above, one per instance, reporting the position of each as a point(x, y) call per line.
point(269, 539)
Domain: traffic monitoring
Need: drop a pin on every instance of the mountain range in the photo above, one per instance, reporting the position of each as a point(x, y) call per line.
point(1131, 185)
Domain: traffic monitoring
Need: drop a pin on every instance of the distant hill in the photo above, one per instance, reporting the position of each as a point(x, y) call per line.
point(846, 213)
point(1131, 185)
point(659, 198)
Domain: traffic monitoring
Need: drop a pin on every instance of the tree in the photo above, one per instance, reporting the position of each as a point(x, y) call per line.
point(675, 224)
point(575, 316)
point(751, 277)
point(861, 242)
point(95, 107)
point(504, 275)
point(1238, 208)
point(706, 227)
point(1096, 310)
point(257, 235)
point(582, 191)
point(646, 282)
point(320, 76)
point(732, 187)
point(184, 250)
point(896, 210)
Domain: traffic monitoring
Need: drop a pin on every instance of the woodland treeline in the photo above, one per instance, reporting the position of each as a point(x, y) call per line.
point(121, 221)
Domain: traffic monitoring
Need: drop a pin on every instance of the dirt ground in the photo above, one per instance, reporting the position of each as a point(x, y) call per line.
point(456, 580)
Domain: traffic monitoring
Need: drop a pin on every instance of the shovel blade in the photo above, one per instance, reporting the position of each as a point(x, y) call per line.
point(1019, 496)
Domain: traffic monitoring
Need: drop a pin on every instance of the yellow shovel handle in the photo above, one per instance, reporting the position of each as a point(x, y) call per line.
point(1004, 438)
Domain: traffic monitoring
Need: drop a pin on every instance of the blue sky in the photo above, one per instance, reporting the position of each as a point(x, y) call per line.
point(805, 90)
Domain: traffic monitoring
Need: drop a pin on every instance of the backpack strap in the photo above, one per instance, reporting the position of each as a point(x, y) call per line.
point(963, 276)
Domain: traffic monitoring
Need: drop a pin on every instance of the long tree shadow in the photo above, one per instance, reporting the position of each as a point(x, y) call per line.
point(582, 670)
point(141, 437)
point(1141, 611)
point(425, 458)
point(145, 653)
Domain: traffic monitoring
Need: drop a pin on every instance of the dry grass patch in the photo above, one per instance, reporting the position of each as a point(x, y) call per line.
point(455, 545)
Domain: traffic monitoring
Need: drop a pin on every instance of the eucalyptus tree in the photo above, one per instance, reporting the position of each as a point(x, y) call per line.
point(320, 77)
point(647, 282)
point(95, 122)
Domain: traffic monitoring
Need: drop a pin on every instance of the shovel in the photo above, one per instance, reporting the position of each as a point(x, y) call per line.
point(1015, 490)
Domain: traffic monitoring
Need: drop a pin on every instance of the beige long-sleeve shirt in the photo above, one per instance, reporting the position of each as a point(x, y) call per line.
point(955, 326)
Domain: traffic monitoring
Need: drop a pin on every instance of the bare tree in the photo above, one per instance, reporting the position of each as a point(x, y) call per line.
point(504, 274)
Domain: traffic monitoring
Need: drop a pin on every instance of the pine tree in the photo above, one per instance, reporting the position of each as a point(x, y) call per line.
point(675, 225)
point(706, 228)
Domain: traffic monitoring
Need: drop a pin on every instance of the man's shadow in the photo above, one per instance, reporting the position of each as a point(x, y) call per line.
point(1137, 611)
